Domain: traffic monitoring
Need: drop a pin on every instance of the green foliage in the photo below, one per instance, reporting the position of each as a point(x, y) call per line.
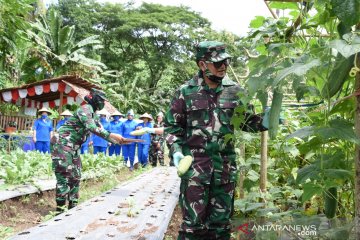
point(59, 49)
point(5, 231)
point(18, 167)
point(347, 11)
point(149, 47)
point(338, 76)
point(14, 23)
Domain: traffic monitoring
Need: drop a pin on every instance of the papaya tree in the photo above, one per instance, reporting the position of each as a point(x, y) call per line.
point(58, 52)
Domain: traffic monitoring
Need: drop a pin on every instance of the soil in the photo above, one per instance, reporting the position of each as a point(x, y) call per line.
point(174, 225)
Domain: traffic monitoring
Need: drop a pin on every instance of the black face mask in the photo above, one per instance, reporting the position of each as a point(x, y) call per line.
point(212, 77)
point(96, 102)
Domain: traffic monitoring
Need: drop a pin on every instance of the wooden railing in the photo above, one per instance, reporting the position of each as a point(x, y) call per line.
point(23, 122)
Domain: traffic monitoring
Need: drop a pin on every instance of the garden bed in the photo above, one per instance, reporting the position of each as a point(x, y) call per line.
point(20, 213)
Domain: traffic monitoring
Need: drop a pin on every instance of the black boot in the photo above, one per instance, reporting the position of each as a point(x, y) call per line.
point(72, 204)
point(60, 206)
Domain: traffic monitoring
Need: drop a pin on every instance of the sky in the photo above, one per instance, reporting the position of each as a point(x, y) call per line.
point(230, 15)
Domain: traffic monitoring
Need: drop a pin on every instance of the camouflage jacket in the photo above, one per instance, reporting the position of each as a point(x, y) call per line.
point(78, 128)
point(196, 123)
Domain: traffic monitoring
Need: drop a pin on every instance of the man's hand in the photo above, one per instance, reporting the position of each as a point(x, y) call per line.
point(117, 138)
point(177, 157)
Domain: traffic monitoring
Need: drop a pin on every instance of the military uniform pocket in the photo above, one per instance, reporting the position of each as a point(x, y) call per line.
point(198, 113)
point(226, 111)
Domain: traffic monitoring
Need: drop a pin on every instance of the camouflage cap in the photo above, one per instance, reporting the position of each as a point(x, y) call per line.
point(211, 51)
point(99, 93)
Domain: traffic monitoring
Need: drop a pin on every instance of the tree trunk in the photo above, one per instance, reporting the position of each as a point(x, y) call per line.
point(357, 156)
point(263, 161)
point(242, 172)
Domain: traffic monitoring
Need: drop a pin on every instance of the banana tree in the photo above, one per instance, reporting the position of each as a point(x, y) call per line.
point(13, 26)
point(127, 95)
point(59, 51)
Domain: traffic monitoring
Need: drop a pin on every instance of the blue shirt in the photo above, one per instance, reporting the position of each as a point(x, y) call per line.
point(60, 123)
point(43, 129)
point(99, 141)
point(128, 127)
point(146, 136)
point(116, 127)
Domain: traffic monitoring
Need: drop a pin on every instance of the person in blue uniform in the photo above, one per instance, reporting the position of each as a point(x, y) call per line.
point(85, 146)
point(143, 147)
point(129, 149)
point(115, 127)
point(99, 143)
point(43, 130)
point(66, 114)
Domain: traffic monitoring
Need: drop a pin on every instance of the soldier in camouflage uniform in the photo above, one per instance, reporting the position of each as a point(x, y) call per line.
point(66, 148)
point(196, 123)
point(157, 143)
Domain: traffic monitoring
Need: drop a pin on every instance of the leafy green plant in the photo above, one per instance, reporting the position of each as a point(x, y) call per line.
point(5, 231)
point(18, 167)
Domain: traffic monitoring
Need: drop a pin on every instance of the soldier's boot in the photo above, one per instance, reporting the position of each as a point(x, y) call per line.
point(60, 206)
point(161, 159)
point(72, 204)
point(152, 161)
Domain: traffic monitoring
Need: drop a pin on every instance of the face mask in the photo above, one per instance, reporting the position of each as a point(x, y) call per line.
point(212, 77)
point(43, 116)
point(116, 118)
point(66, 118)
point(103, 119)
point(100, 105)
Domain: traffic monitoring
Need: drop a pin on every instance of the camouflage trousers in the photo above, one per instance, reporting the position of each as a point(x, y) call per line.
point(67, 167)
point(206, 210)
point(156, 154)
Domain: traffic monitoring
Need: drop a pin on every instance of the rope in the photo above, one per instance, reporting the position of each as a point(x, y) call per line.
point(354, 69)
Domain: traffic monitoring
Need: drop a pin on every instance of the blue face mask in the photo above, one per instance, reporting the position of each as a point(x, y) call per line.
point(66, 118)
point(116, 118)
point(43, 116)
point(103, 119)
